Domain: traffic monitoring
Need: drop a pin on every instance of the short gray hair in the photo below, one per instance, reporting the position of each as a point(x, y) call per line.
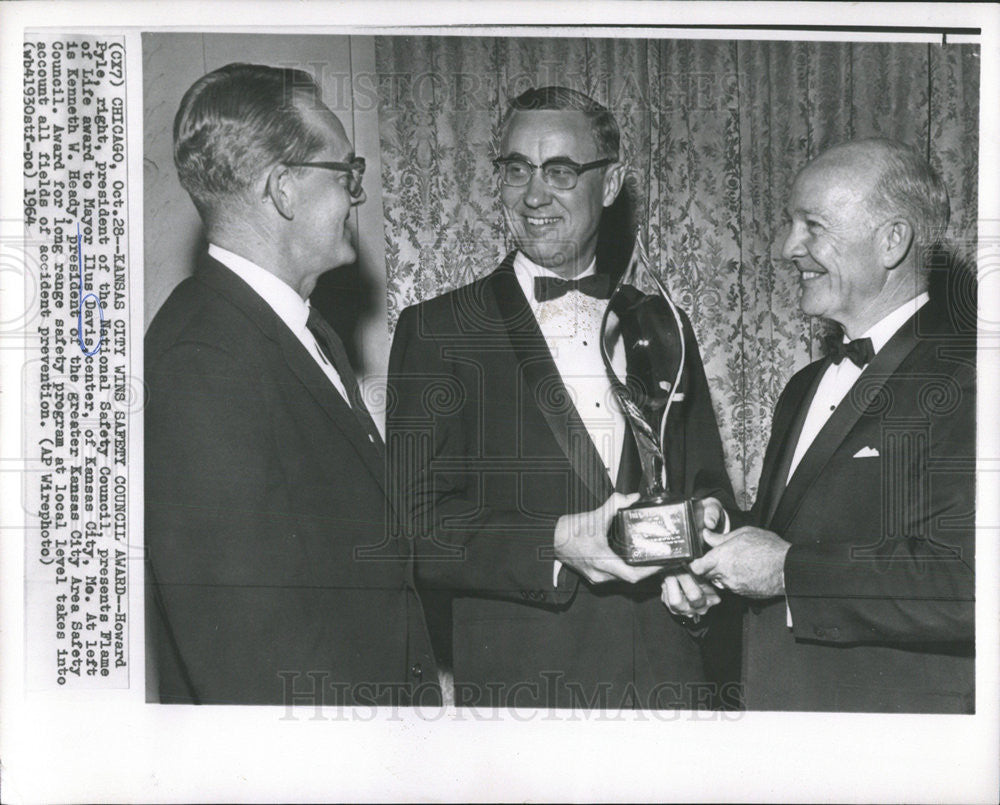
point(237, 120)
point(909, 187)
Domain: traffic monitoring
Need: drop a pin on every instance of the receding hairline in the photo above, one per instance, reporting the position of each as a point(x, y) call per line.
point(863, 161)
point(893, 181)
point(873, 155)
point(857, 156)
point(314, 116)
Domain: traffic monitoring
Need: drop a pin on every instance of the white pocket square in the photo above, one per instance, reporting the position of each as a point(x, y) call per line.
point(867, 452)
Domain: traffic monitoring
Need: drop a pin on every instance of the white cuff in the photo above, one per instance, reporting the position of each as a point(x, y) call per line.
point(556, 567)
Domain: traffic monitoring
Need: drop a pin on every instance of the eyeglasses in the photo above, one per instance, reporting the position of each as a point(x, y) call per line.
point(355, 168)
point(560, 172)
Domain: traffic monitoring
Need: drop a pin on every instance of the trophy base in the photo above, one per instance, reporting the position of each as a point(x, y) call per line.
point(656, 532)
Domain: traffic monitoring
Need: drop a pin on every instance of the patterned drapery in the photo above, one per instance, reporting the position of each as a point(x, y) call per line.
point(713, 132)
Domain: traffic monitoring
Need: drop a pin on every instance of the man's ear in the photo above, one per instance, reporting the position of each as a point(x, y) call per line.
point(614, 177)
point(280, 191)
point(895, 242)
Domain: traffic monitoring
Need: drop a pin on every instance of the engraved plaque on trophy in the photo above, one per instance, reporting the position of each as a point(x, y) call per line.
point(659, 528)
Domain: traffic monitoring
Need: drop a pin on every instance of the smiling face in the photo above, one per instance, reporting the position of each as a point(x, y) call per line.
point(556, 229)
point(833, 243)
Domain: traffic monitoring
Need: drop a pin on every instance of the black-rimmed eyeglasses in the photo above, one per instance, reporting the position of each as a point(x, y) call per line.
point(561, 173)
point(355, 170)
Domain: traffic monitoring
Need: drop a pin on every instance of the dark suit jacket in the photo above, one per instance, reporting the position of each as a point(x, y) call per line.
point(488, 452)
point(879, 577)
point(262, 493)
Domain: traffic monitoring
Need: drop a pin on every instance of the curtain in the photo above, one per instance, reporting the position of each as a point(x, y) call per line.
point(713, 133)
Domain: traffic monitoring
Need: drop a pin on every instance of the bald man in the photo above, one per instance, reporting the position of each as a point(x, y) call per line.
point(859, 568)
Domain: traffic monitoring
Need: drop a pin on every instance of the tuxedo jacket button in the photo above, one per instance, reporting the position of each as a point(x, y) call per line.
point(819, 631)
point(416, 670)
point(835, 633)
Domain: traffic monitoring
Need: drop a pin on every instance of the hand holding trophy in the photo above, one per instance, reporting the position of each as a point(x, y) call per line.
point(659, 528)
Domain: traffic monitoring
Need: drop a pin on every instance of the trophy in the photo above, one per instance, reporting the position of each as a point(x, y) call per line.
point(659, 528)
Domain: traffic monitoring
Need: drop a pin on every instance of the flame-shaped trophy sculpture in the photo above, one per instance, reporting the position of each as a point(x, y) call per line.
point(659, 527)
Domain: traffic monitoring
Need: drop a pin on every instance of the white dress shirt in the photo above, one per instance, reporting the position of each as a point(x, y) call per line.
point(291, 308)
point(571, 326)
point(837, 381)
point(839, 377)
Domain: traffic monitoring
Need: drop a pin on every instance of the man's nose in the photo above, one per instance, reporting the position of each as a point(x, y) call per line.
point(537, 192)
point(794, 240)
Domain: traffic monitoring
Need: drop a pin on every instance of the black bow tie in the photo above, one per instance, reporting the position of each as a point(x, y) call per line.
point(860, 350)
point(597, 285)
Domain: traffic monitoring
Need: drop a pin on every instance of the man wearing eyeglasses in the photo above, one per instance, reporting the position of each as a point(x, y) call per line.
point(265, 474)
point(508, 445)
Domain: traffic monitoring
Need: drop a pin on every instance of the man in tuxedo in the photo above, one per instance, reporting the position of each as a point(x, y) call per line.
point(265, 474)
point(859, 568)
point(508, 445)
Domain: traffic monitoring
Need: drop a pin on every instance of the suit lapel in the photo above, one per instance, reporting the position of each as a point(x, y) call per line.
point(840, 423)
point(543, 381)
point(787, 426)
point(298, 360)
point(335, 406)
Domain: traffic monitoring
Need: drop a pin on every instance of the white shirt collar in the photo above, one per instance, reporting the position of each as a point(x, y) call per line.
point(526, 270)
point(280, 297)
point(886, 328)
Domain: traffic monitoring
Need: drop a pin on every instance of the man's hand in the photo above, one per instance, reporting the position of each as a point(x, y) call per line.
point(682, 593)
point(712, 514)
point(688, 596)
point(749, 561)
point(581, 541)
